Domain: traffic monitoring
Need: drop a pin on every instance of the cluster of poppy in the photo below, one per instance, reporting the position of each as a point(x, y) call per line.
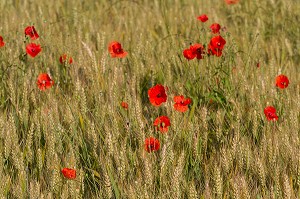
point(157, 96)
point(44, 81)
point(32, 49)
point(196, 50)
point(215, 45)
point(282, 82)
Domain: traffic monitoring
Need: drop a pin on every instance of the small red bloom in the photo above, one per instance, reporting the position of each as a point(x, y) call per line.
point(151, 144)
point(282, 81)
point(1, 42)
point(203, 18)
point(270, 113)
point(181, 103)
point(196, 50)
point(44, 81)
point(216, 45)
point(162, 123)
point(64, 59)
point(31, 32)
point(69, 173)
point(32, 49)
point(231, 1)
point(124, 105)
point(157, 95)
point(187, 53)
point(215, 28)
point(115, 49)
point(257, 64)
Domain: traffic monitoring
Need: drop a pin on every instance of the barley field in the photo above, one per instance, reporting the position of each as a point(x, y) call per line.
point(84, 86)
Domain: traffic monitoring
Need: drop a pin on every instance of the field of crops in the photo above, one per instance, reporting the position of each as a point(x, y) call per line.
point(150, 99)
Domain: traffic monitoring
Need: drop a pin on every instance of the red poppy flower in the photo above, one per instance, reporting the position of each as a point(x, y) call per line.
point(231, 1)
point(181, 103)
point(64, 59)
point(270, 113)
point(216, 45)
point(157, 95)
point(151, 144)
point(44, 81)
point(32, 49)
point(115, 49)
point(187, 53)
point(162, 123)
point(203, 18)
point(69, 173)
point(282, 81)
point(196, 50)
point(257, 64)
point(1, 42)
point(31, 32)
point(124, 105)
point(215, 28)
